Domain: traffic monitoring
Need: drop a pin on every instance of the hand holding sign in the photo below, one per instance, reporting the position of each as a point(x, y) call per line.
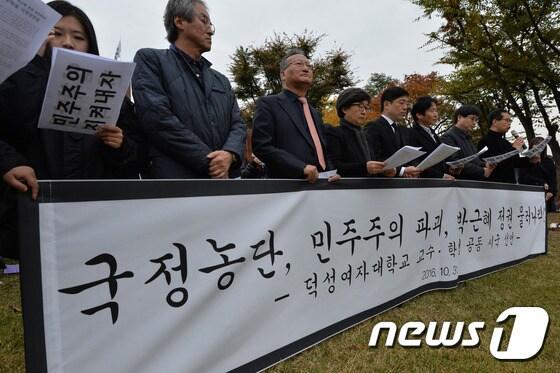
point(84, 92)
point(111, 135)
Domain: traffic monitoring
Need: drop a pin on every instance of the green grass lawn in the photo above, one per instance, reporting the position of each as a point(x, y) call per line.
point(533, 283)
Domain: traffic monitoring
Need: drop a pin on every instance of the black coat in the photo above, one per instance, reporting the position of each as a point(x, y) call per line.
point(549, 168)
point(539, 174)
point(383, 139)
point(346, 150)
point(418, 137)
point(458, 138)
point(532, 175)
point(281, 137)
point(505, 170)
point(183, 120)
point(52, 154)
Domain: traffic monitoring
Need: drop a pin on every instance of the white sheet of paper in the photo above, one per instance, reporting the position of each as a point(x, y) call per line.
point(537, 149)
point(327, 174)
point(84, 91)
point(500, 158)
point(402, 157)
point(442, 152)
point(463, 161)
point(24, 27)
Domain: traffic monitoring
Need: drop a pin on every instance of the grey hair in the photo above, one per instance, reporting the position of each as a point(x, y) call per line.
point(178, 8)
point(291, 52)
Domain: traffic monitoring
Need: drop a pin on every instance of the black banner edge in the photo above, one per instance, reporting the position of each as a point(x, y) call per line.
point(31, 285)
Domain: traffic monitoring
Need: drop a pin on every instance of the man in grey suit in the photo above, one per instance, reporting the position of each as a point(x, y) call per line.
point(187, 110)
point(466, 119)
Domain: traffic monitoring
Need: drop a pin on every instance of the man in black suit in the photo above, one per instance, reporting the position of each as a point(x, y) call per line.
point(287, 132)
point(422, 135)
point(384, 135)
point(500, 123)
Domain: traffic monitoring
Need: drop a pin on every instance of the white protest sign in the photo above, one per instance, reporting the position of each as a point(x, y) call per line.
point(24, 27)
point(84, 91)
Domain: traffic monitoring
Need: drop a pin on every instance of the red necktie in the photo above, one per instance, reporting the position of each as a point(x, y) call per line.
point(313, 132)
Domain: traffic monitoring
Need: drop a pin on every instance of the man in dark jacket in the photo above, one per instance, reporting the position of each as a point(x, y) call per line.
point(186, 109)
point(384, 134)
point(422, 135)
point(541, 172)
point(500, 123)
point(466, 118)
point(288, 132)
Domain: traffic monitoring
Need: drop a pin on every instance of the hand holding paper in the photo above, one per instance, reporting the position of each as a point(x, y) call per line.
point(111, 135)
point(537, 149)
point(442, 152)
point(403, 156)
point(331, 175)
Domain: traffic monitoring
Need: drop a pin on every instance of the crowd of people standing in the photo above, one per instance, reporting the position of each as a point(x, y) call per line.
point(185, 123)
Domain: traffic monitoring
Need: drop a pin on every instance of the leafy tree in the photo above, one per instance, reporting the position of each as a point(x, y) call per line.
point(377, 82)
point(330, 116)
point(256, 71)
point(506, 54)
point(416, 84)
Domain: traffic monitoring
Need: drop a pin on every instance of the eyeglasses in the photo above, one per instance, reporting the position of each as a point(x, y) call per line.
point(301, 64)
point(206, 22)
point(474, 118)
point(362, 107)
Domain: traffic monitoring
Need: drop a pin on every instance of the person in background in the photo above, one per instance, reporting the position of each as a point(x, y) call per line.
point(384, 135)
point(536, 174)
point(549, 167)
point(252, 167)
point(347, 143)
point(187, 110)
point(28, 153)
point(466, 119)
point(288, 132)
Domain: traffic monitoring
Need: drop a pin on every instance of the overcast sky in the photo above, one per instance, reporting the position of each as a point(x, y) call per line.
point(382, 36)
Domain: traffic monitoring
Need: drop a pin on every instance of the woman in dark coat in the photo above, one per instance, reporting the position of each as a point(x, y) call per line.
point(347, 145)
point(28, 153)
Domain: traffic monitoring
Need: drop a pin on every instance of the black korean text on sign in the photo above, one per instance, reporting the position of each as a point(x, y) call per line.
point(181, 292)
point(111, 280)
